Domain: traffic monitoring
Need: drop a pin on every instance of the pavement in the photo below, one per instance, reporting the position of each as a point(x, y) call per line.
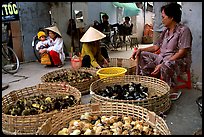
point(183, 118)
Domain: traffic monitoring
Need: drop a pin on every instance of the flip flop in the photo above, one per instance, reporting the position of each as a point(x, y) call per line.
point(175, 95)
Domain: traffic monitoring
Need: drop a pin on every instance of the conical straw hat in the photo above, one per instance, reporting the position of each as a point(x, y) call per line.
point(92, 35)
point(54, 29)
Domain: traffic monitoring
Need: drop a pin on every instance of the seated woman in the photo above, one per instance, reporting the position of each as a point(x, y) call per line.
point(175, 49)
point(91, 51)
point(55, 49)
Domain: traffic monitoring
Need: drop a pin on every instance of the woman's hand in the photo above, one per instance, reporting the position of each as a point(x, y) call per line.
point(156, 70)
point(135, 54)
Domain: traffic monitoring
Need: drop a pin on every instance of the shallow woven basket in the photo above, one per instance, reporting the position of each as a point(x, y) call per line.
point(83, 87)
point(129, 64)
point(59, 121)
point(155, 86)
point(28, 125)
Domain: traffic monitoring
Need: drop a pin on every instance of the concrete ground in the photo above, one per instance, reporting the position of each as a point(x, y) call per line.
point(183, 117)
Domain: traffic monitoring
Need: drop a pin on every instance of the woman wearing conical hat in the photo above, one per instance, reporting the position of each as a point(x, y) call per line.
point(91, 51)
point(55, 49)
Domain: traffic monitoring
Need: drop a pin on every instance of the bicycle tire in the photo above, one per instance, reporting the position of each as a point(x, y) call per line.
point(115, 41)
point(10, 61)
point(36, 53)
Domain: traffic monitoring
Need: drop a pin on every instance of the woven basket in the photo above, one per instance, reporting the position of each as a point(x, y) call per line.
point(83, 87)
point(129, 64)
point(155, 86)
point(59, 121)
point(27, 125)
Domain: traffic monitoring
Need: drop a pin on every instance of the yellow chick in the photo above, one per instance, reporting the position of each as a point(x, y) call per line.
point(64, 131)
point(76, 132)
point(87, 132)
point(125, 132)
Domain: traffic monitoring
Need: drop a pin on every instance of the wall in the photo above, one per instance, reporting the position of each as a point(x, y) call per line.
point(94, 9)
point(33, 15)
point(192, 17)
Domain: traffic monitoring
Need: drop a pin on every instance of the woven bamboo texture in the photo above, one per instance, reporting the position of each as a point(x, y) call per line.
point(159, 104)
point(83, 87)
point(27, 125)
point(129, 64)
point(61, 120)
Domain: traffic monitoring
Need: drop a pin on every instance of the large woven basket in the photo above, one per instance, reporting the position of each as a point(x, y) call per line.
point(27, 125)
point(59, 121)
point(129, 64)
point(159, 104)
point(83, 87)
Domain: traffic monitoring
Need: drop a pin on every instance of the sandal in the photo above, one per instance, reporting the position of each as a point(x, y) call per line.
point(175, 95)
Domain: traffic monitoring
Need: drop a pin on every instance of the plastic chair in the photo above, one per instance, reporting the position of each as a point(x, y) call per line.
point(186, 83)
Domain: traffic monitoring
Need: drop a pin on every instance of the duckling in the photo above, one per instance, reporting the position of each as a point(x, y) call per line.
point(73, 122)
point(86, 116)
point(64, 131)
point(125, 132)
point(88, 132)
point(106, 132)
point(116, 131)
point(146, 128)
point(75, 132)
point(98, 123)
point(127, 126)
point(127, 119)
point(98, 130)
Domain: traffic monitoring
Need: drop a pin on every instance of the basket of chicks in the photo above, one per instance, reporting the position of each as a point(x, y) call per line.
point(105, 119)
point(148, 92)
point(24, 110)
point(129, 64)
point(80, 78)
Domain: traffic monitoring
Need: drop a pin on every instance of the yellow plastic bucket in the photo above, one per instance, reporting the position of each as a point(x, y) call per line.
point(111, 72)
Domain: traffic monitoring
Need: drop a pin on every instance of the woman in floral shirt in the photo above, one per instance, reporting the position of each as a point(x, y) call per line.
point(175, 49)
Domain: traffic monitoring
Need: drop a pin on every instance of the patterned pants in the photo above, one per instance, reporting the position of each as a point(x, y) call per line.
point(168, 71)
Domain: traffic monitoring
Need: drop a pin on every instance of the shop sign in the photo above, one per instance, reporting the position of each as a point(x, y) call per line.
point(9, 11)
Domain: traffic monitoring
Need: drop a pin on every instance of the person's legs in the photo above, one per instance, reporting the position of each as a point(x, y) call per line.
point(55, 58)
point(86, 61)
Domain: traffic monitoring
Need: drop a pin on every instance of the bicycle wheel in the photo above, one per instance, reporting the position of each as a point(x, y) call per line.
point(36, 53)
point(116, 41)
point(10, 61)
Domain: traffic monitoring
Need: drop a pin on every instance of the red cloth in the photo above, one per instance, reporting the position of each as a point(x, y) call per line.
point(55, 57)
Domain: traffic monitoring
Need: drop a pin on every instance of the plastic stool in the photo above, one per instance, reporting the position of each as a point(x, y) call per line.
point(187, 83)
point(133, 41)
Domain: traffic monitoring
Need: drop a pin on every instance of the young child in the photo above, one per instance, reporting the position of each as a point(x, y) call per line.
point(43, 43)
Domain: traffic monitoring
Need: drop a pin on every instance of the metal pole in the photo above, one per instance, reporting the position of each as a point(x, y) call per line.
point(72, 41)
point(144, 18)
